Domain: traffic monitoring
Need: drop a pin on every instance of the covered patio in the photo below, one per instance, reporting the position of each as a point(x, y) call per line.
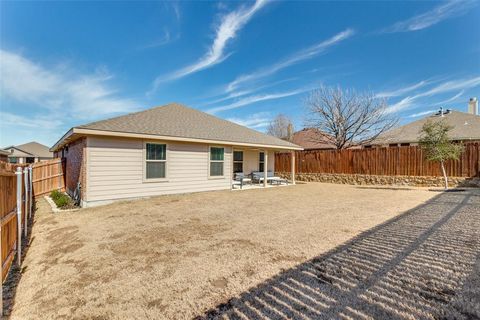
point(255, 168)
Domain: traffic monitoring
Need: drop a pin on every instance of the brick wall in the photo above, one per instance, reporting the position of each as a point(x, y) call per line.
point(76, 166)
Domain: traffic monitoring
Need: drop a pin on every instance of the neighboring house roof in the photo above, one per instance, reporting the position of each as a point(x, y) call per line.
point(466, 126)
point(311, 138)
point(4, 152)
point(30, 149)
point(177, 122)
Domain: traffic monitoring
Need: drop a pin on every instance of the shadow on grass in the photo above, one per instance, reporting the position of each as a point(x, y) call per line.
point(417, 265)
point(15, 273)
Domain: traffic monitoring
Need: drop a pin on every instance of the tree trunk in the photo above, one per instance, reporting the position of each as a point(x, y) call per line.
point(442, 164)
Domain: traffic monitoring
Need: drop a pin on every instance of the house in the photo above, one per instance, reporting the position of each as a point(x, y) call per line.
point(28, 153)
point(4, 155)
point(466, 128)
point(313, 139)
point(164, 150)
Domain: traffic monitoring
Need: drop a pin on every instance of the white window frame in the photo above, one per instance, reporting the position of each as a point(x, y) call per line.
point(259, 160)
point(209, 161)
point(144, 163)
point(233, 159)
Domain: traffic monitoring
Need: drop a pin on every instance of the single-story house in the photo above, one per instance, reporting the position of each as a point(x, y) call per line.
point(466, 128)
point(30, 152)
point(163, 150)
point(313, 139)
point(4, 155)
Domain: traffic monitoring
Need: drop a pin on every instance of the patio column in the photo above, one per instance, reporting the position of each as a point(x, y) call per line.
point(293, 166)
point(265, 165)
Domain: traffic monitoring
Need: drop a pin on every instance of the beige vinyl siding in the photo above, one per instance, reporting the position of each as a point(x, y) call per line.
point(251, 160)
point(116, 169)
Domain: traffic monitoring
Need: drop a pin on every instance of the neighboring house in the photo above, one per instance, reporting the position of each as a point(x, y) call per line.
point(4, 155)
point(163, 150)
point(466, 128)
point(28, 153)
point(313, 139)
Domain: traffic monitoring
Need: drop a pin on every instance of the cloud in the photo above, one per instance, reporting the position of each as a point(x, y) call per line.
point(254, 99)
point(299, 56)
point(165, 38)
point(254, 121)
point(227, 30)
point(77, 95)
point(401, 91)
point(459, 84)
point(425, 20)
point(419, 114)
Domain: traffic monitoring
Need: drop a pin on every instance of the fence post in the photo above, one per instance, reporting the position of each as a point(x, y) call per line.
point(19, 215)
point(30, 175)
point(27, 198)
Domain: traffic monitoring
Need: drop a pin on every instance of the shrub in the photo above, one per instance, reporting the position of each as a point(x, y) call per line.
point(60, 199)
point(55, 194)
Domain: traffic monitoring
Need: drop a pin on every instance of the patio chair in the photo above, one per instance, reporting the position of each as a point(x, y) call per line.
point(258, 177)
point(241, 179)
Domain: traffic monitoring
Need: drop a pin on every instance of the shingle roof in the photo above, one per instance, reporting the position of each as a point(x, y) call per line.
point(466, 126)
point(311, 138)
point(32, 149)
point(176, 120)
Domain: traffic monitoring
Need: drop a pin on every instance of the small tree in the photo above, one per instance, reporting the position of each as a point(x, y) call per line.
point(281, 127)
point(437, 146)
point(349, 117)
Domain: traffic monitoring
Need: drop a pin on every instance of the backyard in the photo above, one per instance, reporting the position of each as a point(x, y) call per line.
point(227, 253)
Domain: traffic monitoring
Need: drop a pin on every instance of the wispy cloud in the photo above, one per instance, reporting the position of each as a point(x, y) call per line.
point(241, 93)
point(254, 99)
point(226, 30)
point(299, 56)
point(257, 121)
point(401, 91)
point(423, 113)
point(57, 89)
point(425, 20)
point(448, 86)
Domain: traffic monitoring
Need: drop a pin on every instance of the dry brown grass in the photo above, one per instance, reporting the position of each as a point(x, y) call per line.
point(175, 257)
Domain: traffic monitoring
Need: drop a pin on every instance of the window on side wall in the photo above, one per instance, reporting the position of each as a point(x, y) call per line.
point(217, 159)
point(237, 161)
point(155, 161)
point(261, 161)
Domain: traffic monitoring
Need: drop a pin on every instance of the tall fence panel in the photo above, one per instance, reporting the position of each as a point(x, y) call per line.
point(15, 211)
point(48, 176)
point(393, 161)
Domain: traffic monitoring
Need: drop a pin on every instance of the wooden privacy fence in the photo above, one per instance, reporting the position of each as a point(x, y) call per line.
point(16, 199)
point(392, 161)
point(48, 176)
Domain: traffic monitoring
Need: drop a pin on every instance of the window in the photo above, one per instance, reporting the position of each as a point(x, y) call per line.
point(155, 160)
point(237, 161)
point(217, 156)
point(12, 160)
point(261, 162)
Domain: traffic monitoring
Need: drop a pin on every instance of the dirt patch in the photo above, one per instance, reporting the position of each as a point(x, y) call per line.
point(174, 257)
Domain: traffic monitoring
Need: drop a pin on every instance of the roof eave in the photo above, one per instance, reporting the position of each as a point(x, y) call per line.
point(74, 132)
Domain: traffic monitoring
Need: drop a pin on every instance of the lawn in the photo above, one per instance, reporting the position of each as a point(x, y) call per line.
point(176, 257)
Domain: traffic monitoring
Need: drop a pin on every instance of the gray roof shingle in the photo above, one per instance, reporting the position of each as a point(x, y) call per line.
point(176, 120)
point(466, 126)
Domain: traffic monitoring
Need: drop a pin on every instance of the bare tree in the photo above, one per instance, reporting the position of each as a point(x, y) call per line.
point(349, 117)
point(281, 127)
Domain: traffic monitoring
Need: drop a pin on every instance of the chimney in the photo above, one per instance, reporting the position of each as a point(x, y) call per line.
point(473, 106)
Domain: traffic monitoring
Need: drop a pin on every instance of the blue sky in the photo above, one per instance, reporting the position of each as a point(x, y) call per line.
point(68, 63)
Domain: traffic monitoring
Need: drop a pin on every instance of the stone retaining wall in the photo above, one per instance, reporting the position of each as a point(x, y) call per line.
point(360, 179)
